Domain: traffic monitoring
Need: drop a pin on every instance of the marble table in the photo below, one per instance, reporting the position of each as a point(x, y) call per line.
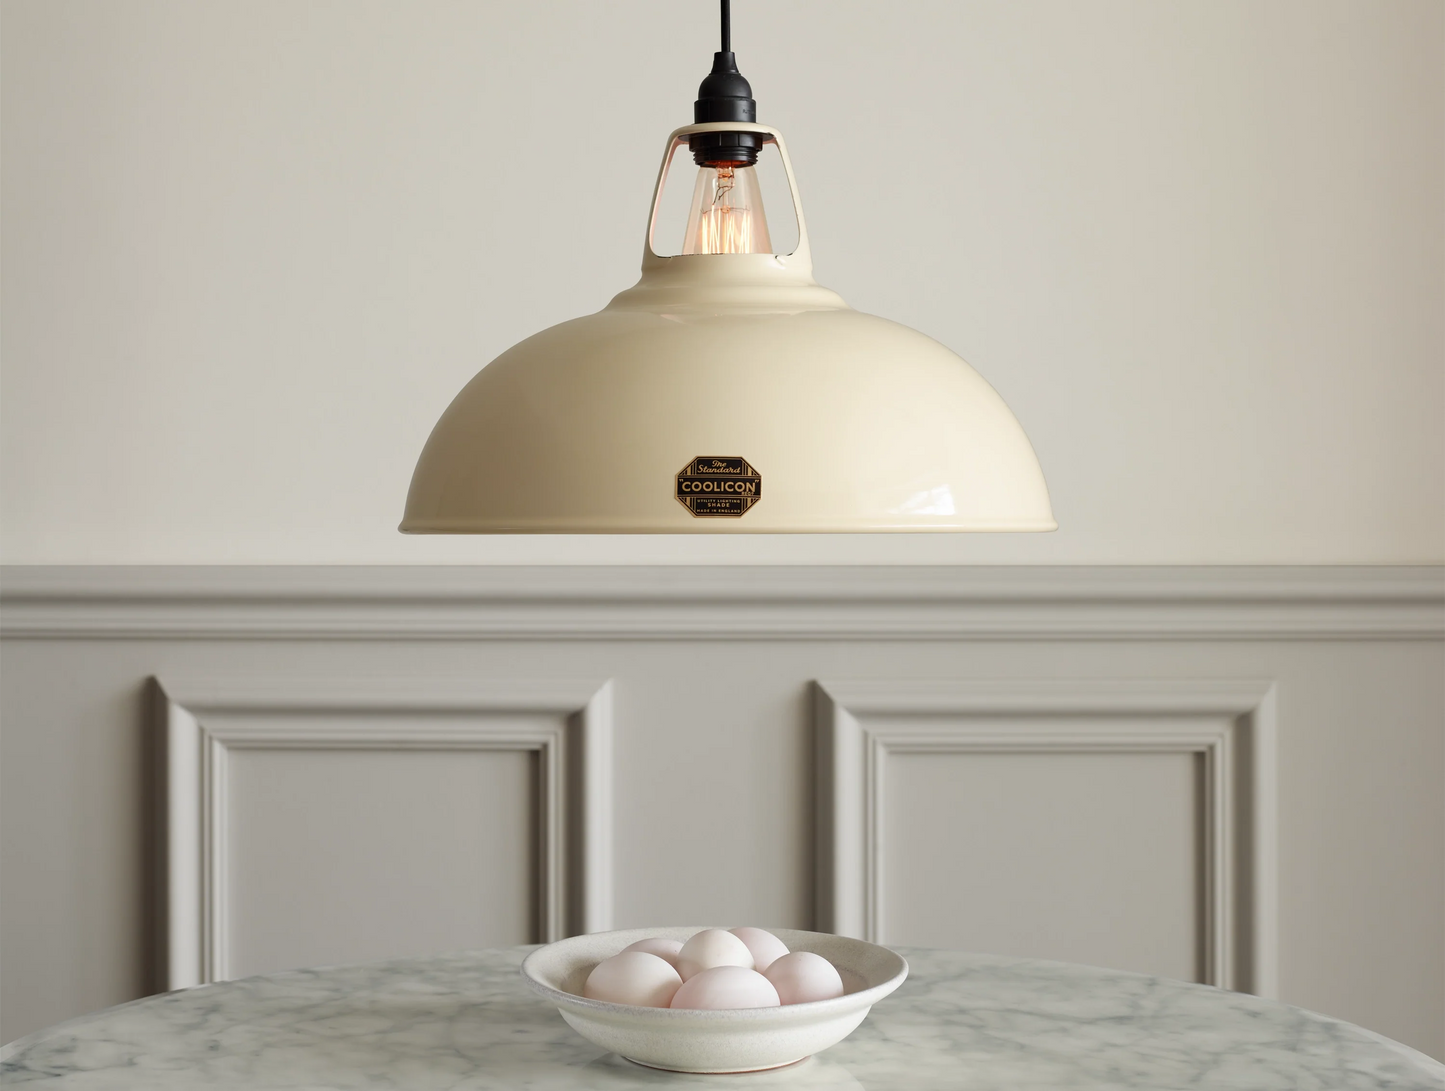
point(465, 1021)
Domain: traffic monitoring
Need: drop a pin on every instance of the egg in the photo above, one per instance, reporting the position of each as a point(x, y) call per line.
point(633, 977)
point(712, 947)
point(803, 976)
point(666, 949)
point(765, 946)
point(726, 987)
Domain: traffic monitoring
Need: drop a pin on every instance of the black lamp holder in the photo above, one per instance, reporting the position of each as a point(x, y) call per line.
point(725, 96)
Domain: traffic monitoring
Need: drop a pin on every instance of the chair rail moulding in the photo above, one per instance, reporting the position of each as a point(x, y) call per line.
point(744, 602)
point(202, 722)
point(1231, 724)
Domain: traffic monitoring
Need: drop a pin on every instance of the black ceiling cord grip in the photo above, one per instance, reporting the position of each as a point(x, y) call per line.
point(725, 96)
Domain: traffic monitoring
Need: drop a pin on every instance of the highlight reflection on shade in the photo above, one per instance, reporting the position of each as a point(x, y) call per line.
point(935, 501)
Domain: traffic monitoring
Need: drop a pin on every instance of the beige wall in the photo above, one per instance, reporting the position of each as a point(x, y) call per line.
point(251, 250)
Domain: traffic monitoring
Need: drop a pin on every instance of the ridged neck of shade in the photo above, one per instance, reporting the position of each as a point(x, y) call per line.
point(727, 284)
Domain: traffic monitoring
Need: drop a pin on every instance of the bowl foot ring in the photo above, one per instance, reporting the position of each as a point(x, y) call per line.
point(721, 1072)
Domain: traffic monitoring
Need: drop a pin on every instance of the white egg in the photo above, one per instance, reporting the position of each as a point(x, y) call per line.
point(765, 946)
point(803, 976)
point(666, 949)
point(633, 977)
point(726, 987)
point(712, 947)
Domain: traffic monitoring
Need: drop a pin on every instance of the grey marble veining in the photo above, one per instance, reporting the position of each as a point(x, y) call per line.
point(465, 1021)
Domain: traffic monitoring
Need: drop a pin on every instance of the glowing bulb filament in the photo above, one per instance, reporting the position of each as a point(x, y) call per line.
point(727, 213)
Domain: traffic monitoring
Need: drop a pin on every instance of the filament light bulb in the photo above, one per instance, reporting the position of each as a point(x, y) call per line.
point(727, 212)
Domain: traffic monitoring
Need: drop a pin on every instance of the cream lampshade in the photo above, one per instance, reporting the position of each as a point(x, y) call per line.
point(727, 392)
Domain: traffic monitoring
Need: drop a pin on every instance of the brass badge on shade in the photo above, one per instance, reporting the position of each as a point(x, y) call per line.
point(716, 487)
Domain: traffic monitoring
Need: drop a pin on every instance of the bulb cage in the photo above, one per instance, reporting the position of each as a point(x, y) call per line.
point(800, 256)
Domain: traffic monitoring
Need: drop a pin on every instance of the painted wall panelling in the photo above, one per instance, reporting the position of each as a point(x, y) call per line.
point(1229, 725)
point(1023, 680)
point(566, 725)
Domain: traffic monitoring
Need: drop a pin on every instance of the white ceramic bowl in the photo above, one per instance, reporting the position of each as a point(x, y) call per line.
point(741, 1040)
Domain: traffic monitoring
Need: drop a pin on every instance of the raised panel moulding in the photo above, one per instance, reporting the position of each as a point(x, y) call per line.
point(1231, 724)
point(674, 602)
point(574, 832)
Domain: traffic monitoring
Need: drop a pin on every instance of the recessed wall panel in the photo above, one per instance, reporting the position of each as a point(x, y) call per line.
point(348, 855)
point(1085, 857)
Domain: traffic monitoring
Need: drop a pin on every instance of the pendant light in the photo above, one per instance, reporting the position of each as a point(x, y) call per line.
point(727, 392)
